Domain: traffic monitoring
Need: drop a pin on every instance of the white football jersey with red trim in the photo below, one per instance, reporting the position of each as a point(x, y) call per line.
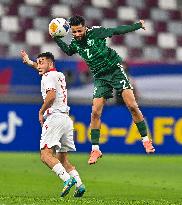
point(54, 80)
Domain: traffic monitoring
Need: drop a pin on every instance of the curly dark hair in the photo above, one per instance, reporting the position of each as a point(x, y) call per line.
point(76, 20)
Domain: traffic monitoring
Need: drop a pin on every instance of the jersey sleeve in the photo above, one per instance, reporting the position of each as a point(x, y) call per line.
point(49, 82)
point(68, 49)
point(109, 32)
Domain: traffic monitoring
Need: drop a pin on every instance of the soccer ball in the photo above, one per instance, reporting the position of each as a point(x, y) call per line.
point(58, 27)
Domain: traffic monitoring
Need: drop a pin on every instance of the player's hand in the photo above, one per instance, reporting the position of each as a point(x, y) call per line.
point(143, 24)
point(24, 56)
point(52, 36)
point(26, 59)
point(41, 118)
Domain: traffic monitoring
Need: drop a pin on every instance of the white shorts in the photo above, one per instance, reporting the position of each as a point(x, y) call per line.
point(57, 132)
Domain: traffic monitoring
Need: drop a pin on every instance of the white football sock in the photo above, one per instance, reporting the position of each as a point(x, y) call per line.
point(95, 147)
point(75, 174)
point(144, 139)
point(61, 172)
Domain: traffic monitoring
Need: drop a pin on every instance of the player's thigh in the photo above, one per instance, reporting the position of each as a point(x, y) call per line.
point(51, 131)
point(67, 140)
point(128, 97)
point(120, 80)
point(47, 151)
point(102, 89)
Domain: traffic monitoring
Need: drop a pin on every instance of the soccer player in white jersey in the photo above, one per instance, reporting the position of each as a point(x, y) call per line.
point(57, 126)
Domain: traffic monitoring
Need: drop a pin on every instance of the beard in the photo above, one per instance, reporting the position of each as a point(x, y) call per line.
point(80, 38)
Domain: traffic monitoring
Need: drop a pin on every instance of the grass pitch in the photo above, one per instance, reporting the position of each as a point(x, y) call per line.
point(115, 179)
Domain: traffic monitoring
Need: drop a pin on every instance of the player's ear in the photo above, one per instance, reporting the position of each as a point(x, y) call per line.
point(51, 63)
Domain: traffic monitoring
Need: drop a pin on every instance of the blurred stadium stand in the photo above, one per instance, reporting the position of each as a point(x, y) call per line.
point(24, 24)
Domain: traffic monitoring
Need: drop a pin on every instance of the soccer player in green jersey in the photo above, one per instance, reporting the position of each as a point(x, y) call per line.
point(108, 74)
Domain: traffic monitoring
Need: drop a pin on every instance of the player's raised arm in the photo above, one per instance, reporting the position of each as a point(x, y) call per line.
point(64, 47)
point(108, 32)
point(58, 28)
point(27, 61)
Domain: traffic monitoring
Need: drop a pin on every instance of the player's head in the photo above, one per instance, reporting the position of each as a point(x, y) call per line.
point(45, 61)
point(78, 27)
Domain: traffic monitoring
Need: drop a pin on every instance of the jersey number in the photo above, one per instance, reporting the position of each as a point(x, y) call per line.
point(88, 54)
point(123, 82)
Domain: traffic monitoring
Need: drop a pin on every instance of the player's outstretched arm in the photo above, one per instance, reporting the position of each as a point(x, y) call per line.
point(129, 28)
point(109, 32)
point(27, 61)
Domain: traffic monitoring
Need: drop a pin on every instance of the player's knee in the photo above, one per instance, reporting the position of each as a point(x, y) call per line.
point(96, 113)
point(133, 107)
point(43, 157)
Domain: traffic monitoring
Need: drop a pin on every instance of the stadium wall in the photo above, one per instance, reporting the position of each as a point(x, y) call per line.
point(20, 129)
point(14, 72)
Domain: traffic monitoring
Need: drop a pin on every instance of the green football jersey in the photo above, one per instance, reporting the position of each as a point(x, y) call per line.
point(93, 49)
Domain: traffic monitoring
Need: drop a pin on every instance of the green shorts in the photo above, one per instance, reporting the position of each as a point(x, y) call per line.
point(116, 79)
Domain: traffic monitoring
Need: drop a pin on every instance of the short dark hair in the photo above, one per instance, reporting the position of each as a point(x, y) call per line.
point(76, 20)
point(47, 55)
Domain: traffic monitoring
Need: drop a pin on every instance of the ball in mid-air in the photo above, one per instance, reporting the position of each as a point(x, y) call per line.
point(58, 27)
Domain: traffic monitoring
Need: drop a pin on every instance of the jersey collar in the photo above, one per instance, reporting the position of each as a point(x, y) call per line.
point(52, 69)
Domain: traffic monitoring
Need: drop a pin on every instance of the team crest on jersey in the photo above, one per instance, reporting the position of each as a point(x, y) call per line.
point(90, 42)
